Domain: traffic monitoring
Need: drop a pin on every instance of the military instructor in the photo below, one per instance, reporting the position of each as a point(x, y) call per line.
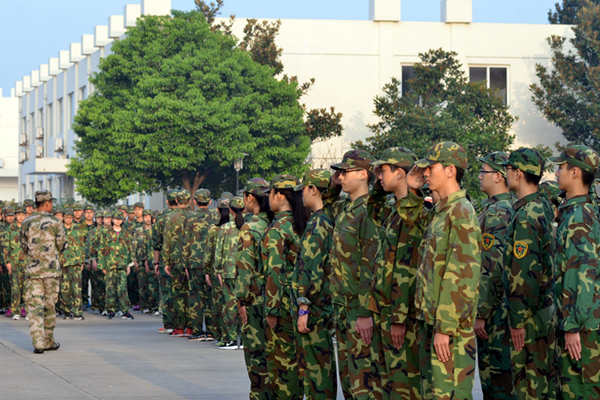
point(42, 238)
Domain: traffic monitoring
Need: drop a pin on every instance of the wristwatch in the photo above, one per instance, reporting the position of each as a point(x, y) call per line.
point(302, 312)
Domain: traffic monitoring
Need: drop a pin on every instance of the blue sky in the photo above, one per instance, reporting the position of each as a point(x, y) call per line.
point(31, 31)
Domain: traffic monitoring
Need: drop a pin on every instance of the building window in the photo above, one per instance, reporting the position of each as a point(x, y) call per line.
point(495, 78)
point(408, 73)
point(59, 110)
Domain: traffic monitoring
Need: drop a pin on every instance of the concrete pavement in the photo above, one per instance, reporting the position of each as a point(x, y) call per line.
point(117, 359)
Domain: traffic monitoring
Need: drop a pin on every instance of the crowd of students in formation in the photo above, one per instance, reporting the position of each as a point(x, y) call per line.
point(388, 256)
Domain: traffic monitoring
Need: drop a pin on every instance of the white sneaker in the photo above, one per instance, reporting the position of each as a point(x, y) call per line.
point(105, 313)
point(156, 313)
point(27, 318)
point(146, 311)
point(16, 317)
point(119, 313)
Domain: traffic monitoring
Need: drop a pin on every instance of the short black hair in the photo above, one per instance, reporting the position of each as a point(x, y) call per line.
point(460, 173)
point(172, 203)
point(531, 178)
point(587, 177)
point(202, 204)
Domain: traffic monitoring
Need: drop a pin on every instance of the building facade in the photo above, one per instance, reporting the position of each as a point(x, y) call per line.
point(9, 152)
point(350, 60)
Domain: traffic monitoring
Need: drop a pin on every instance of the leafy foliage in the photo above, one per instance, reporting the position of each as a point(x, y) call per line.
point(441, 105)
point(566, 14)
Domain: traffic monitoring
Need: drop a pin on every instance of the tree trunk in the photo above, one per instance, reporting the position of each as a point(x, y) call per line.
point(193, 185)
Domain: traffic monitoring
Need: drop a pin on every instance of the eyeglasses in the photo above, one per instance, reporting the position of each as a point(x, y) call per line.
point(344, 172)
point(508, 168)
point(481, 171)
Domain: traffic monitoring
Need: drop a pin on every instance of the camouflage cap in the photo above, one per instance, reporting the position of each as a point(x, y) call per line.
point(20, 210)
point(284, 181)
point(355, 159)
point(57, 210)
point(99, 214)
point(139, 204)
point(398, 156)
point(30, 203)
point(122, 207)
point(551, 191)
point(236, 202)
point(527, 160)
point(183, 196)
point(88, 207)
point(445, 153)
point(257, 186)
point(108, 214)
point(40, 196)
point(316, 177)
point(77, 207)
point(130, 210)
point(223, 202)
point(68, 211)
point(117, 215)
point(172, 194)
point(227, 195)
point(9, 211)
point(146, 212)
point(495, 160)
point(579, 156)
point(155, 213)
point(202, 196)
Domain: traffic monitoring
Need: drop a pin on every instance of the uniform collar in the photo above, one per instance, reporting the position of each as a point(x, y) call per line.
point(452, 198)
point(581, 199)
point(529, 198)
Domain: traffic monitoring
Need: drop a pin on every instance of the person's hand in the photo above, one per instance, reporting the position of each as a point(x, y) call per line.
point(480, 329)
point(398, 332)
point(303, 324)
point(156, 269)
point(573, 344)
point(518, 338)
point(208, 282)
point(364, 327)
point(415, 178)
point(335, 179)
point(187, 273)
point(137, 266)
point(9, 268)
point(271, 321)
point(441, 343)
point(1, 270)
point(95, 265)
point(168, 269)
point(104, 272)
point(146, 267)
point(243, 314)
point(220, 279)
point(128, 270)
point(82, 267)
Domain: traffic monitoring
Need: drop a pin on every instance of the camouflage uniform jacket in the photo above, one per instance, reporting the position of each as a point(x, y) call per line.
point(3, 237)
point(196, 228)
point(278, 250)
point(173, 240)
point(493, 220)
point(74, 254)
point(577, 290)
point(42, 238)
point(354, 250)
point(142, 250)
point(158, 230)
point(93, 242)
point(528, 274)
point(115, 250)
point(448, 275)
point(313, 268)
point(211, 249)
point(134, 225)
point(250, 284)
point(402, 230)
point(225, 264)
point(12, 250)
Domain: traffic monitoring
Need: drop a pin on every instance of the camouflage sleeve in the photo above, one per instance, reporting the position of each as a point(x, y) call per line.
point(157, 233)
point(129, 249)
point(332, 204)
point(6, 246)
point(187, 239)
point(92, 245)
point(209, 249)
point(460, 279)
point(579, 268)
point(274, 258)
point(376, 202)
point(217, 266)
point(369, 237)
point(492, 256)
point(23, 238)
point(166, 245)
point(314, 249)
point(246, 262)
point(61, 236)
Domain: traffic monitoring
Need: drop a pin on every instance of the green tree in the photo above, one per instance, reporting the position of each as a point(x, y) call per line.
point(568, 94)
point(174, 105)
point(566, 13)
point(441, 105)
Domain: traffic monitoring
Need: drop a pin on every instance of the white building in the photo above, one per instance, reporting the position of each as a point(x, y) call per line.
point(350, 60)
point(9, 152)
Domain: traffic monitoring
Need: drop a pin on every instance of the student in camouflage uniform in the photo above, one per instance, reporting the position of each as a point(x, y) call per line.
point(393, 296)
point(175, 265)
point(577, 290)
point(164, 279)
point(528, 279)
point(71, 261)
point(115, 259)
point(226, 268)
point(355, 243)
point(97, 275)
point(28, 206)
point(316, 361)
point(447, 277)
point(250, 288)
point(42, 238)
point(14, 258)
point(195, 242)
point(135, 281)
point(279, 249)
point(142, 253)
point(491, 326)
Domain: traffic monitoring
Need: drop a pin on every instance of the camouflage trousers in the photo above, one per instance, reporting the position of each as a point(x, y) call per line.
point(534, 367)
point(253, 337)
point(116, 290)
point(148, 288)
point(359, 363)
point(316, 361)
point(453, 379)
point(580, 379)
point(196, 305)
point(493, 356)
point(180, 289)
point(206, 306)
point(216, 309)
point(133, 290)
point(40, 299)
point(166, 299)
point(70, 290)
point(5, 293)
point(17, 288)
point(402, 377)
point(98, 290)
point(282, 358)
point(86, 276)
point(231, 320)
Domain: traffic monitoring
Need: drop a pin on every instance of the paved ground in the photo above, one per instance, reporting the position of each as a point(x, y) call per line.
point(116, 359)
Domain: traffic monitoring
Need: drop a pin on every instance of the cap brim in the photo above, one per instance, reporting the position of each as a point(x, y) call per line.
point(557, 160)
point(379, 163)
point(504, 163)
point(299, 187)
point(340, 166)
point(424, 163)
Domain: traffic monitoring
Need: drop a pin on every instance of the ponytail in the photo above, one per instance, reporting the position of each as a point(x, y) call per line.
point(239, 217)
point(299, 212)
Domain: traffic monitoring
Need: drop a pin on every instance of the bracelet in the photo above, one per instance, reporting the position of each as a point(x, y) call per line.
point(156, 263)
point(302, 312)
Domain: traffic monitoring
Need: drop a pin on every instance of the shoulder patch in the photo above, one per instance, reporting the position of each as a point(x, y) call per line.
point(520, 249)
point(488, 240)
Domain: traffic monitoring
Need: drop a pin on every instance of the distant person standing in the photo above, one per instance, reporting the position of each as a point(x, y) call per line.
point(42, 237)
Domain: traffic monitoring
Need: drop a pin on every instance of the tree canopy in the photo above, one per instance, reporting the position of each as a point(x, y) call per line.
point(566, 13)
point(441, 105)
point(174, 105)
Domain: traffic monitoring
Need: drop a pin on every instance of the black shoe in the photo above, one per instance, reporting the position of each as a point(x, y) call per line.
point(111, 315)
point(127, 315)
point(55, 346)
point(38, 351)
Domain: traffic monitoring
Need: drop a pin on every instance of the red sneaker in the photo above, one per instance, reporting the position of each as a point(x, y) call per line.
point(188, 333)
point(165, 330)
point(177, 333)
